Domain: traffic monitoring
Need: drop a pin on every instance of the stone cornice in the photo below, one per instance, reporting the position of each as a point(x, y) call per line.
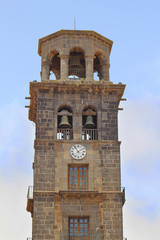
point(77, 141)
point(102, 195)
point(73, 33)
point(71, 86)
point(77, 85)
point(48, 142)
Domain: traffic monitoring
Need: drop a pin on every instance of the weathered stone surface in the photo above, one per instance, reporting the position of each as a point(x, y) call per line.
point(102, 201)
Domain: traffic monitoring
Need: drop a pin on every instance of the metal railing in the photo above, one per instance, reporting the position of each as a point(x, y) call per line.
point(30, 193)
point(87, 235)
point(89, 184)
point(64, 134)
point(67, 134)
point(89, 134)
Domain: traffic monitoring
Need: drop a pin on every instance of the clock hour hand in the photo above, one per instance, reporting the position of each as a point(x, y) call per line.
point(81, 149)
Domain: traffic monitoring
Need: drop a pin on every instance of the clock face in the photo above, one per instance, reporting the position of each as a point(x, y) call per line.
point(78, 151)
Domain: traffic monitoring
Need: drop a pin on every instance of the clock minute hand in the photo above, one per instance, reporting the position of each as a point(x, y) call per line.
point(76, 148)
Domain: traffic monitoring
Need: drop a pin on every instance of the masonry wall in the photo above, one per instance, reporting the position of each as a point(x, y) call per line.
point(43, 225)
point(49, 103)
point(63, 45)
point(51, 207)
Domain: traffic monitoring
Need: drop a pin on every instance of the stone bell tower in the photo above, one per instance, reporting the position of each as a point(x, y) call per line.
point(76, 191)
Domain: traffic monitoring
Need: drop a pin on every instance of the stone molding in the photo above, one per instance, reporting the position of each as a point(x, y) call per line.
point(71, 86)
point(73, 33)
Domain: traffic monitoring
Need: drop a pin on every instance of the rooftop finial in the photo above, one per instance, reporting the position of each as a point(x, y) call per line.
point(74, 24)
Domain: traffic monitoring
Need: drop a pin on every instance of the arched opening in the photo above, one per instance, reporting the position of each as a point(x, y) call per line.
point(98, 59)
point(76, 68)
point(54, 66)
point(89, 124)
point(64, 123)
point(52, 76)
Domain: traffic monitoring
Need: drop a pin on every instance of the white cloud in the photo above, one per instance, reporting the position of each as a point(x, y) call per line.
point(140, 135)
point(139, 131)
point(137, 226)
point(16, 139)
point(16, 147)
point(15, 222)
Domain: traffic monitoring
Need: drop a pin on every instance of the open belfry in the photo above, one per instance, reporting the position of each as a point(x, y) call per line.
point(76, 191)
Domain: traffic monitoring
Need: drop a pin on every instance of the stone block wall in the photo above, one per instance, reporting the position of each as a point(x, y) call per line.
point(43, 225)
point(53, 204)
point(49, 103)
point(64, 43)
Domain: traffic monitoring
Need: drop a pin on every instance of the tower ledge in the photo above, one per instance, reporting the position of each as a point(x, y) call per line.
point(71, 87)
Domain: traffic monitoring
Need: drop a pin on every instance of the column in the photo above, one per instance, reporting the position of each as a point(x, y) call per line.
point(64, 66)
point(77, 126)
point(89, 66)
point(45, 71)
point(105, 71)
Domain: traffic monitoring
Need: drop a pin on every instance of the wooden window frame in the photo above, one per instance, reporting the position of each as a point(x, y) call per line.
point(81, 231)
point(82, 178)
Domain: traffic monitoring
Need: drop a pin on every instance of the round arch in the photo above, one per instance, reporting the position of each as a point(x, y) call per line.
point(76, 62)
point(89, 107)
point(99, 59)
point(53, 58)
point(64, 107)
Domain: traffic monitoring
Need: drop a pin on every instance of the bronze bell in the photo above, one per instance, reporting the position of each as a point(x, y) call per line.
point(89, 122)
point(64, 122)
point(75, 61)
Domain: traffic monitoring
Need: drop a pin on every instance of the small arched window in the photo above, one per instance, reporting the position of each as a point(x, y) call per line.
point(64, 123)
point(89, 124)
point(98, 66)
point(54, 65)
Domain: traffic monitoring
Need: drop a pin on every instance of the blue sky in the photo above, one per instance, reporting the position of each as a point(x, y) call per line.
point(135, 60)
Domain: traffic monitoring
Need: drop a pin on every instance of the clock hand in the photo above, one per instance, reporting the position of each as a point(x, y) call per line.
point(81, 149)
point(76, 148)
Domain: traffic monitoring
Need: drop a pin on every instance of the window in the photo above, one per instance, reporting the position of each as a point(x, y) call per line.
point(78, 177)
point(64, 123)
point(78, 228)
point(89, 124)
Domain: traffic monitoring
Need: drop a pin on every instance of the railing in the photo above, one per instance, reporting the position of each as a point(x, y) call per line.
point(89, 184)
point(80, 72)
point(86, 235)
point(29, 238)
point(67, 134)
point(64, 134)
point(89, 134)
point(30, 193)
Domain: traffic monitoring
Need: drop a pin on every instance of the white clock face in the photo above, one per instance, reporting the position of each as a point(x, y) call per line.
point(78, 151)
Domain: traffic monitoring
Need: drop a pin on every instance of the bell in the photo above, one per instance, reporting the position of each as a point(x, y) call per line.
point(75, 61)
point(64, 122)
point(89, 122)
